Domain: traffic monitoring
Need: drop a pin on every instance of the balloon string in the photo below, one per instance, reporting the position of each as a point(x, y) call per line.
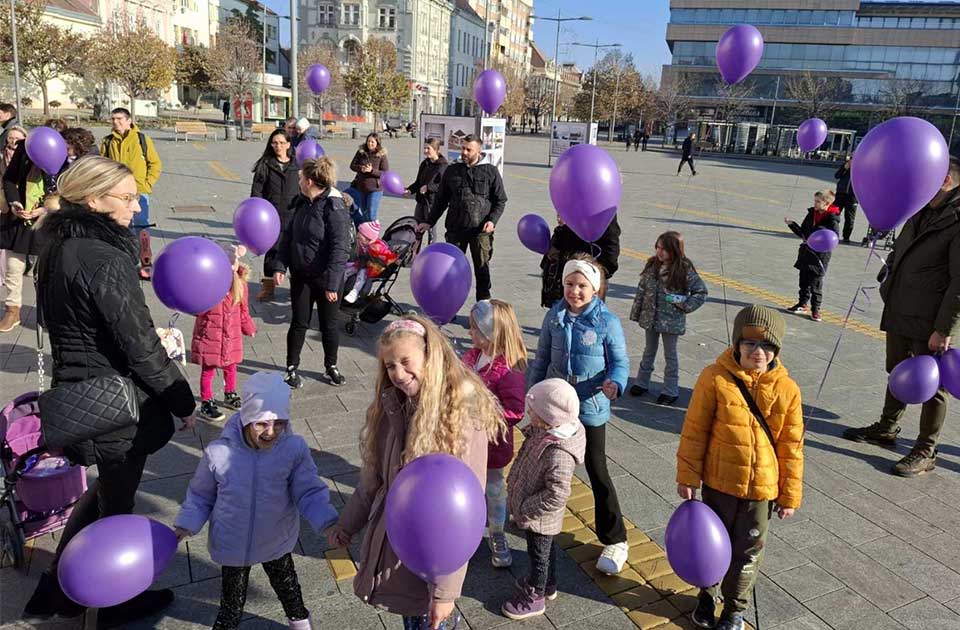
point(723, 277)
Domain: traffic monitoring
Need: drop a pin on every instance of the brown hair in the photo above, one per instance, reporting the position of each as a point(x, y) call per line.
point(322, 172)
point(379, 150)
point(433, 142)
point(79, 139)
point(56, 123)
point(680, 265)
point(826, 194)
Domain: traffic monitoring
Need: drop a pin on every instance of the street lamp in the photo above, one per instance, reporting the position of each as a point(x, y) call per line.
point(596, 49)
point(556, 64)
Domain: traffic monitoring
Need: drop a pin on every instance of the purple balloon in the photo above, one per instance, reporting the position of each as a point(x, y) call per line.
point(440, 279)
point(47, 149)
point(192, 275)
point(489, 89)
point(950, 372)
point(308, 149)
point(811, 134)
point(391, 182)
point(823, 240)
point(897, 168)
point(115, 559)
point(436, 513)
point(256, 224)
point(534, 233)
point(585, 189)
point(915, 380)
point(318, 78)
point(698, 545)
point(738, 52)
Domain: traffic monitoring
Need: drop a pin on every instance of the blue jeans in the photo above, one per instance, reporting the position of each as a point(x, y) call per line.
point(423, 622)
point(496, 492)
point(141, 219)
point(671, 373)
point(366, 206)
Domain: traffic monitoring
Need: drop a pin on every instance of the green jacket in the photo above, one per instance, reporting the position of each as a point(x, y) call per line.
point(921, 292)
point(142, 160)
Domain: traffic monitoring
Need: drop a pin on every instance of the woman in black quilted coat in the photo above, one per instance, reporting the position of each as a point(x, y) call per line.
point(94, 310)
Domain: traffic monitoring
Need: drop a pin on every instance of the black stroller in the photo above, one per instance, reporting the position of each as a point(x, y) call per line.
point(374, 302)
point(884, 238)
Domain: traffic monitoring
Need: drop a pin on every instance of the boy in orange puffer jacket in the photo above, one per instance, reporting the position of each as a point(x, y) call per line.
point(749, 466)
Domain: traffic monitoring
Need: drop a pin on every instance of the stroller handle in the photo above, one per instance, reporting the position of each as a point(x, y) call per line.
point(24, 464)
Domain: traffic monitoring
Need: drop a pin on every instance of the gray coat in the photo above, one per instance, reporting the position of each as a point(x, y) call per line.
point(651, 309)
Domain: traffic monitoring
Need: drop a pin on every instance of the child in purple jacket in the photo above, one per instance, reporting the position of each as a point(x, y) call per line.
point(253, 483)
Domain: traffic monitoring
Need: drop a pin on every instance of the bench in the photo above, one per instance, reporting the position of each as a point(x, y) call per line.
point(259, 129)
point(192, 128)
point(334, 130)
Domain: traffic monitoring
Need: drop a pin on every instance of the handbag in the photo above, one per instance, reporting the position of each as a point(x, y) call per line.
point(752, 404)
point(73, 412)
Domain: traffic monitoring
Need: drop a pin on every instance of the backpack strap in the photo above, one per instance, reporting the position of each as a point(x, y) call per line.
point(752, 404)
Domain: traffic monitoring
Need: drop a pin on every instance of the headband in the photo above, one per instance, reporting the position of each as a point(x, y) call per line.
point(591, 273)
point(408, 325)
point(482, 313)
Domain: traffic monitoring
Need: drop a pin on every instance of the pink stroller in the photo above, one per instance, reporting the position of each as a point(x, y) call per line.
point(40, 487)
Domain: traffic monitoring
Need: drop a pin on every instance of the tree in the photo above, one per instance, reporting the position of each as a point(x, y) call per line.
point(514, 104)
point(619, 91)
point(44, 51)
point(327, 55)
point(902, 96)
point(672, 100)
point(732, 100)
point(816, 97)
point(235, 64)
point(374, 82)
point(134, 57)
point(193, 70)
point(538, 98)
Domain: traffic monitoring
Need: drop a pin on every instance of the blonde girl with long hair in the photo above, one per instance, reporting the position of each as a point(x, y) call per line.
point(426, 401)
point(218, 338)
point(499, 357)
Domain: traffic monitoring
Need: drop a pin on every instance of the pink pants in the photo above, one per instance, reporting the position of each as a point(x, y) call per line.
point(206, 380)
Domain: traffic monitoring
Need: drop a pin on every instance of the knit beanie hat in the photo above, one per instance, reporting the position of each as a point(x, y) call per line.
point(265, 397)
point(482, 314)
point(555, 401)
point(370, 230)
point(234, 252)
point(759, 322)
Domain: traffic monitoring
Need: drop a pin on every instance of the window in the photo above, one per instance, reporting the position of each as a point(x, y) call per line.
point(387, 17)
point(271, 31)
point(326, 13)
point(350, 14)
point(790, 17)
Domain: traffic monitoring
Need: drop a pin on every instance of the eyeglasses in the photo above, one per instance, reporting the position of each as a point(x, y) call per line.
point(127, 198)
point(750, 345)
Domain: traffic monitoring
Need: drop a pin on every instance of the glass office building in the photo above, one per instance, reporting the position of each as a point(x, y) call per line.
point(872, 50)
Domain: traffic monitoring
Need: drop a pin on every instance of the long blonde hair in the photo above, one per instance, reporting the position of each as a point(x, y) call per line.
point(87, 178)
point(451, 396)
point(507, 340)
point(240, 277)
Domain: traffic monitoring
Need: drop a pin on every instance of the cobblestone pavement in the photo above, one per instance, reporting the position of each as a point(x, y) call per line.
point(866, 550)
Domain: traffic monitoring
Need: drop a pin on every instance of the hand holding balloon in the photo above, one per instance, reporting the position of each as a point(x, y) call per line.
point(188, 423)
point(610, 389)
point(439, 611)
point(181, 533)
point(686, 492)
point(784, 512)
point(938, 342)
point(337, 536)
point(278, 278)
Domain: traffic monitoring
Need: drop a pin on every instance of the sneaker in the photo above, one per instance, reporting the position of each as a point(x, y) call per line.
point(915, 463)
point(799, 307)
point(733, 621)
point(48, 603)
point(666, 400)
point(636, 390)
point(144, 273)
point(816, 316)
point(145, 604)
point(210, 411)
point(336, 378)
point(613, 558)
point(705, 614)
point(232, 400)
point(875, 434)
point(500, 550)
point(292, 378)
point(351, 297)
point(550, 594)
point(524, 604)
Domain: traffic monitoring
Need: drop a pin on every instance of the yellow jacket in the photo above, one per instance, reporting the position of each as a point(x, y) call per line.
point(723, 446)
point(127, 150)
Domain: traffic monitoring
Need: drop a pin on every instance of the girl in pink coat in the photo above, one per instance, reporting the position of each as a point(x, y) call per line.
point(218, 338)
point(499, 357)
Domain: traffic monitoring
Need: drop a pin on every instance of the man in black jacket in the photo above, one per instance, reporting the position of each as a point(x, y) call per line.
point(846, 199)
point(476, 198)
point(686, 154)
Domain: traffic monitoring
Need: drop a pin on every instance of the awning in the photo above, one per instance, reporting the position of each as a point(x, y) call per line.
point(281, 93)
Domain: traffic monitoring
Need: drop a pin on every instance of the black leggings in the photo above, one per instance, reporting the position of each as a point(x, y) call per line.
point(689, 160)
point(543, 561)
point(233, 592)
point(303, 295)
point(610, 529)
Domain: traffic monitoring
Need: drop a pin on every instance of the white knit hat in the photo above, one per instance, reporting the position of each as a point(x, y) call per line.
point(555, 401)
point(265, 397)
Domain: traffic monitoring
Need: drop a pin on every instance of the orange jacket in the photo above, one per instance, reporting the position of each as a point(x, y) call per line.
point(723, 446)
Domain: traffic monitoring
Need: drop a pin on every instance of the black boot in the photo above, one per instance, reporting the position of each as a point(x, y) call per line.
point(48, 602)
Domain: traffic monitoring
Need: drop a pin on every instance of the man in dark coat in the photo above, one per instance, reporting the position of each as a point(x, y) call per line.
point(686, 153)
point(846, 199)
point(475, 196)
point(921, 315)
point(564, 244)
point(8, 119)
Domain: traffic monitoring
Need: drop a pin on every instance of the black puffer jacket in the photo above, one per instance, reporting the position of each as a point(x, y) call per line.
point(563, 245)
point(316, 243)
point(95, 312)
point(815, 262)
point(430, 174)
point(474, 194)
point(15, 234)
point(277, 183)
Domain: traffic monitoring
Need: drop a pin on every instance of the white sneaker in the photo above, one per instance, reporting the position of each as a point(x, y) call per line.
point(613, 558)
point(351, 297)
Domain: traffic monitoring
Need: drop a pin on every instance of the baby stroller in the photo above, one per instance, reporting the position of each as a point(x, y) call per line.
point(884, 238)
point(374, 302)
point(40, 487)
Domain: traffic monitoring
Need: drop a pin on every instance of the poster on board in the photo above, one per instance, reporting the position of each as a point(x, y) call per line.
point(493, 133)
point(567, 134)
point(451, 130)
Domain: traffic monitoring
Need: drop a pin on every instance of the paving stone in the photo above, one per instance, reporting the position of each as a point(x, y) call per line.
point(580, 503)
point(585, 553)
point(911, 564)
point(807, 582)
point(927, 614)
point(778, 556)
point(578, 537)
point(652, 568)
point(645, 551)
point(341, 564)
point(653, 615)
point(669, 584)
point(607, 620)
point(636, 597)
point(889, 516)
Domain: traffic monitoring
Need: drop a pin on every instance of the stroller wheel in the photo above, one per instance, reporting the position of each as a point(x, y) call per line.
point(11, 539)
point(351, 328)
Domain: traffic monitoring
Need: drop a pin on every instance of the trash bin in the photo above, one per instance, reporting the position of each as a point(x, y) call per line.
point(353, 132)
point(231, 132)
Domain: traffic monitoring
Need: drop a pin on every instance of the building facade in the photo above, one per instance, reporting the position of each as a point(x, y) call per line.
point(510, 24)
point(876, 53)
point(424, 54)
point(466, 58)
point(545, 74)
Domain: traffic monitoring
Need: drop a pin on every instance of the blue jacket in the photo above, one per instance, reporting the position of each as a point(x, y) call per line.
point(254, 498)
point(591, 348)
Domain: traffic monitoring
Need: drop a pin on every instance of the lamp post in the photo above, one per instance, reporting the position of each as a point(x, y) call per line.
point(556, 66)
point(16, 58)
point(294, 72)
point(596, 49)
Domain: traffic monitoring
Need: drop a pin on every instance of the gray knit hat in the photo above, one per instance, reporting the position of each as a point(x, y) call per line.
point(759, 322)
